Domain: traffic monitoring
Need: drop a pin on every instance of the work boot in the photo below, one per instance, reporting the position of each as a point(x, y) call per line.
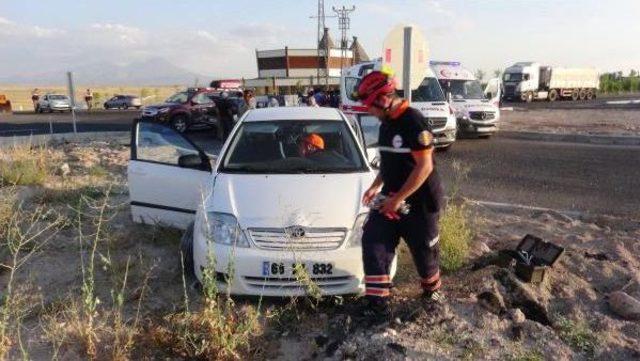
point(376, 309)
point(432, 301)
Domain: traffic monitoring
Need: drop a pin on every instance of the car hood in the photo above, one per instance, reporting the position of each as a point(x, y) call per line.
point(473, 106)
point(161, 106)
point(275, 201)
point(433, 109)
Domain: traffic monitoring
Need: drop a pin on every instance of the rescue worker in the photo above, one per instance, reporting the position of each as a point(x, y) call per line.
point(88, 98)
point(35, 97)
point(407, 174)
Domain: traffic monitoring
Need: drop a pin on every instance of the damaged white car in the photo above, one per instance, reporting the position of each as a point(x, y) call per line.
point(283, 198)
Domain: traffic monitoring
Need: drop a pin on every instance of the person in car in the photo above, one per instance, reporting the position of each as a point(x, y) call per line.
point(310, 145)
point(407, 174)
point(250, 102)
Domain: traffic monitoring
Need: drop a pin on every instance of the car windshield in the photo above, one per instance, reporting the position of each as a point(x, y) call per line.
point(428, 91)
point(58, 97)
point(289, 147)
point(463, 89)
point(179, 98)
point(512, 77)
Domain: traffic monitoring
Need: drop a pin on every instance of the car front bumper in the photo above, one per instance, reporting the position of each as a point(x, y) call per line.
point(244, 271)
point(470, 126)
point(444, 137)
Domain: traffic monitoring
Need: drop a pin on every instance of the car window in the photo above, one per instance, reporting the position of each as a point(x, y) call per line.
point(350, 86)
point(286, 147)
point(161, 144)
point(202, 98)
point(370, 126)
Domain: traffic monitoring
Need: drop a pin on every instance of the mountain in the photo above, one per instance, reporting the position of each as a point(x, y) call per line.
point(155, 71)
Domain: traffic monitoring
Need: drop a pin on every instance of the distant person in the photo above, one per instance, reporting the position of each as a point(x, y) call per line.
point(88, 98)
point(273, 102)
point(35, 97)
point(225, 112)
point(250, 102)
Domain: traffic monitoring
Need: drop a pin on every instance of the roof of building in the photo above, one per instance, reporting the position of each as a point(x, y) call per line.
point(359, 54)
point(326, 41)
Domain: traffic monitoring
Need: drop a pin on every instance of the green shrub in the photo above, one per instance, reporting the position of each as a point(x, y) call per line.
point(578, 335)
point(455, 237)
point(23, 167)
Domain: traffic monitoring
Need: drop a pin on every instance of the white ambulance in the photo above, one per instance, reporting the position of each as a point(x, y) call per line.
point(474, 112)
point(429, 98)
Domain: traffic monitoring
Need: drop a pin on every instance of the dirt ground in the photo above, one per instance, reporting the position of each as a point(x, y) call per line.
point(488, 313)
point(615, 122)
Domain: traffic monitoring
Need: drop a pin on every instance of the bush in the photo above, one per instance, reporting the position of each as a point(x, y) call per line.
point(455, 236)
point(578, 335)
point(23, 166)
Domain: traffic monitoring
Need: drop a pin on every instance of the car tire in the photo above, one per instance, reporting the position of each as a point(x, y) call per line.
point(186, 248)
point(126, 106)
point(106, 107)
point(484, 136)
point(553, 95)
point(138, 107)
point(179, 123)
point(591, 94)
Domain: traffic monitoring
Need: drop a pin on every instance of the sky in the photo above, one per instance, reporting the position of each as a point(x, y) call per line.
point(219, 38)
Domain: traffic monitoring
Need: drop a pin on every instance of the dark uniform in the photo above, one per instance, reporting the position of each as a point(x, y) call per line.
point(407, 132)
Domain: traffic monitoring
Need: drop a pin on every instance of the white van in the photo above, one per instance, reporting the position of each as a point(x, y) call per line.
point(475, 113)
point(428, 98)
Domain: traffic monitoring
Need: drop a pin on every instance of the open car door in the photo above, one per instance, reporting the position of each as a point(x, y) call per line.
point(167, 175)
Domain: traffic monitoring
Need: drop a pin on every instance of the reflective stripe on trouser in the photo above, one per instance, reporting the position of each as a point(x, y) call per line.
point(380, 239)
point(377, 285)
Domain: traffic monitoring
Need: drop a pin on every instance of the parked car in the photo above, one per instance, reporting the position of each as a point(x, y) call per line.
point(123, 102)
point(53, 102)
point(264, 212)
point(192, 108)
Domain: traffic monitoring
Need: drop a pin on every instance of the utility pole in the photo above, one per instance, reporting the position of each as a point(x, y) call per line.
point(344, 24)
point(321, 17)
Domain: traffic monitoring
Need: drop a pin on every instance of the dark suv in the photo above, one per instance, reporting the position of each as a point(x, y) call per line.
point(192, 108)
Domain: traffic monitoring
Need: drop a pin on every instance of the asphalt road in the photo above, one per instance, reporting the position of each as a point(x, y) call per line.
point(598, 103)
point(588, 178)
point(565, 176)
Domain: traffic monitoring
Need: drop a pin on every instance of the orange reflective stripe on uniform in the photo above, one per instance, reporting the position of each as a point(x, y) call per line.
point(432, 283)
point(377, 279)
point(431, 279)
point(380, 292)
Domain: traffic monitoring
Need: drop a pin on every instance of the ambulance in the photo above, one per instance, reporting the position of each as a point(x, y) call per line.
point(428, 98)
point(475, 114)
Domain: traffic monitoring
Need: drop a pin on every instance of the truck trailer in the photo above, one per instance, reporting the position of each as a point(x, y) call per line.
point(528, 81)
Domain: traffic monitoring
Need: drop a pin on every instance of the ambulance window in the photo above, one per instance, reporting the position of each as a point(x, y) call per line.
point(350, 85)
point(365, 70)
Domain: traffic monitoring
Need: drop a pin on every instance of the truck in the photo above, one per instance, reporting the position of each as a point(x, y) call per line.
point(475, 113)
point(528, 81)
point(428, 98)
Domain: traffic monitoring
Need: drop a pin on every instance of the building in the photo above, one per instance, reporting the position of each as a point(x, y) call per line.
point(285, 71)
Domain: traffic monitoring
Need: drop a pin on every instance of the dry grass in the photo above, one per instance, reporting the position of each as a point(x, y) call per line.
point(20, 96)
point(23, 165)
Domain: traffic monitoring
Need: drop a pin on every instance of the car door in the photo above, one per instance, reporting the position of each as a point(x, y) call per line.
point(168, 176)
point(201, 104)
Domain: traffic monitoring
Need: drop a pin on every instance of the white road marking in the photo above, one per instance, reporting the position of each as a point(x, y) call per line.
point(623, 102)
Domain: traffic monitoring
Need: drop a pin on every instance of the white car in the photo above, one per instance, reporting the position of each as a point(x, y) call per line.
point(53, 102)
point(263, 209)
point(474, 112)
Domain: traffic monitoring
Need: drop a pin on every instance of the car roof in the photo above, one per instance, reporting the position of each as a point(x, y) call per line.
point(293, 113)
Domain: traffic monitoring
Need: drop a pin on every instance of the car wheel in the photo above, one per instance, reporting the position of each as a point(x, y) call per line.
point(179, 123)
point(590, 94)
point(186, 248)
point(553, 95)
point(583, 94)
point(575, 94)
point(106, 107)
point(126, 106)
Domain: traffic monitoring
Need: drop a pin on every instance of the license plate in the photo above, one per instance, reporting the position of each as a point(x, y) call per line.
point(283, 268)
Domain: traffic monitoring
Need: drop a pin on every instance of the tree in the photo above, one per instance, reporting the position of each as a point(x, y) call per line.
point(496, 73)
point(633, 73)
point(479, 75)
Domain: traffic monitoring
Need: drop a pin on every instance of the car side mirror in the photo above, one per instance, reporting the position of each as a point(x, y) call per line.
point(193, 161)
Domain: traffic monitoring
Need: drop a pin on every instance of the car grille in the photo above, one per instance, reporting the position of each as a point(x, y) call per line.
point(314, 239)
point(437, 122)
point(324, 283)
point(510, 90)
point(482, 115)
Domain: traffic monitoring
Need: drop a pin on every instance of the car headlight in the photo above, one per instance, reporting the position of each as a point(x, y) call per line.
point(223, 228)
point(163, 110)
point(355, 239)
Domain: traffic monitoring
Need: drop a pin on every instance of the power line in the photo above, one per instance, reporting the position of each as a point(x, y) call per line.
point(344, 24)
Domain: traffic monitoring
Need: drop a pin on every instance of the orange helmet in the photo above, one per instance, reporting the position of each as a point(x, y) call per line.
point(315, 140)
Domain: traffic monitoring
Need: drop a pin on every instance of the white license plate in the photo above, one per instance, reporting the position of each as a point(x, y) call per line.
point(292, 269)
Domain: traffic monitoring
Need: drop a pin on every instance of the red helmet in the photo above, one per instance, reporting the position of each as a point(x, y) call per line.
point(374, 85)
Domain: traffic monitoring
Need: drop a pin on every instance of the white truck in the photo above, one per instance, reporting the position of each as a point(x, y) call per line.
point(428, 98)
point(475, 113)
point(527, 81)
